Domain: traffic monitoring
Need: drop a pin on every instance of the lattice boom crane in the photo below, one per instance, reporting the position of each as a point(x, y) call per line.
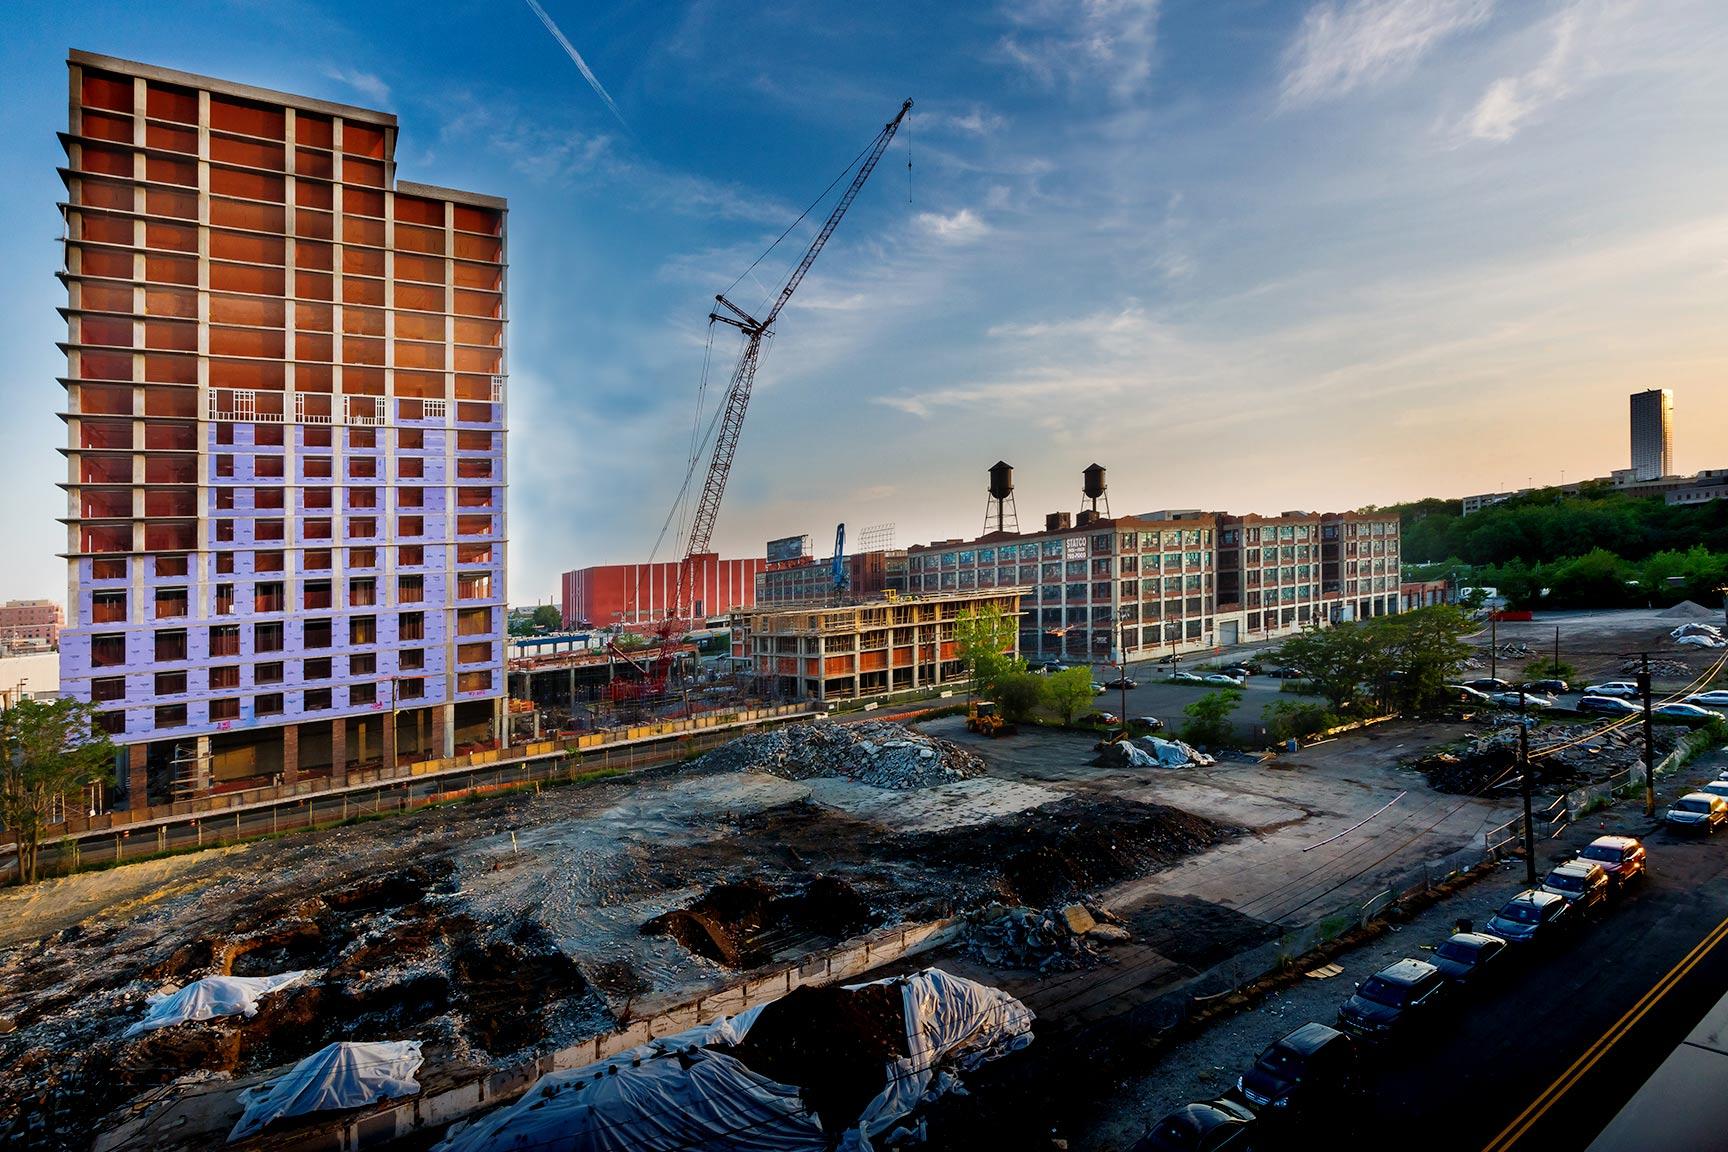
point(744, 373)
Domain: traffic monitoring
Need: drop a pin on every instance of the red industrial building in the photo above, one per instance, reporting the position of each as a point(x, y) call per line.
point(640, 594)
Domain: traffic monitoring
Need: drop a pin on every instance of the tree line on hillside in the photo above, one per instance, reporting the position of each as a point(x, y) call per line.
point(1599, 549)
point(1547, 525)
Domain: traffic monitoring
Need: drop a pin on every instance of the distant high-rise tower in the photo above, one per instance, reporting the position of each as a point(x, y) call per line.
point(1653, 433)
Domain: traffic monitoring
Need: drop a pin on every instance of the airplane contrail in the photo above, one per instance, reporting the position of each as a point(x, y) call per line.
point(570, 50)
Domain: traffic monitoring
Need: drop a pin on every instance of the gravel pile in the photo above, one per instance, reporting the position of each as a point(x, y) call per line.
point(877, 753)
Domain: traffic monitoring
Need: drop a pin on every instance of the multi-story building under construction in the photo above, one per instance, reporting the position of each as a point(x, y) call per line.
point(285, 435)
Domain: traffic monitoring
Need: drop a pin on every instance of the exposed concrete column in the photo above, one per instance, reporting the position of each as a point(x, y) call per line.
point(201, 767)
point(390, 721)
point(444, 730)
point(137, 777)
point(501, 718)
point(291, 753)
point(338, 751)
point(420, 749)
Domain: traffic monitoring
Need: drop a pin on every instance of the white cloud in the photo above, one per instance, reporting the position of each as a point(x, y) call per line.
point(960, 227)
point(1511, 101)
point(1112, 41)
point(1345, 44)
point(368, 84)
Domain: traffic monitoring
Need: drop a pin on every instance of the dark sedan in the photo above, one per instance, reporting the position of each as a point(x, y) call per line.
point(1219, 1126)
point(1469, 957)
point(1533, 916)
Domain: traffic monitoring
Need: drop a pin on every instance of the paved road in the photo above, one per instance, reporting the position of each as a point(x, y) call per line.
point(1548, 1060)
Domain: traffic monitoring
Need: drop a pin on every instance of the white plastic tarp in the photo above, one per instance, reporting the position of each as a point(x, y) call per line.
point(950, 1022)
point(1701, 640)
point(337, 1076)
point(1696, 629)
point(209, 997)
point(674, 1093)
point(1173, 753)
point(696, 1098)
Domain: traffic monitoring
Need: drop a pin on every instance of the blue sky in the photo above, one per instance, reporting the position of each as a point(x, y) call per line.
point(1248, 255)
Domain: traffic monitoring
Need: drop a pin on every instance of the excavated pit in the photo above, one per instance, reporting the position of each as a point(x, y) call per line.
point(742, 925)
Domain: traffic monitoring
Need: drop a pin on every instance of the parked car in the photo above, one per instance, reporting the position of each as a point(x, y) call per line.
point(1309, 1074)
point(1120, 683)
point(1582, 883)
point(1612, 705)
point(1098, 689)
point(1221, 678)
point(1552, 687)
point(1187, 678)
point(1715, 698)
point(1625, 689)
point(1686, 713)
point(1697, 812)
point(1286, 673)
point(1715, 788)
point(1096, 718)
point(1469, 695)
point(1149, 723)
point(1217, 1126)
point(1531, 917)
point(1239, 671)
point(1394, 999)
point(1622, 857)
point(1469, 958)
point(1530, 700)
point(1488, 684)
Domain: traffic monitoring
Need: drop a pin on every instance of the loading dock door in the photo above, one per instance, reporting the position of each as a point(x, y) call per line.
point(1227, 632)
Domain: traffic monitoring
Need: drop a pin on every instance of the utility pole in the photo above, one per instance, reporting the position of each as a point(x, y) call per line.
point(1122, 675)
point(1556, 668)
point(1524, 782)
point(1493, 645)
point(1649, 739)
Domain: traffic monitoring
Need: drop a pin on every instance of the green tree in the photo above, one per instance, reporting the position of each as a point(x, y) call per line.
point(984, 639)
point(1069, 692)
point(1336, 662)
point(1414, 655)
point(1209, 719)
point(547, 618)
point(52, 749)
point(1018, 693)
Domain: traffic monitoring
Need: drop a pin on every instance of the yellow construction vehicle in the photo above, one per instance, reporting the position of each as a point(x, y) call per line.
point(982, 716)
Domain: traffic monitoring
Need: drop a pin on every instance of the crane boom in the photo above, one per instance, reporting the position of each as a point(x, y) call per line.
point(744, 373)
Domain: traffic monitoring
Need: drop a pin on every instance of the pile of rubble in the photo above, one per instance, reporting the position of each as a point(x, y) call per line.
point(1488, 762)
point(1152, 752)
point(877, 753)
point(1671, 669)
point(1052, 940)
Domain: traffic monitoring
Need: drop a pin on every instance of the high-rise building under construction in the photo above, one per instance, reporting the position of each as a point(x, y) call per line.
point(285, 391)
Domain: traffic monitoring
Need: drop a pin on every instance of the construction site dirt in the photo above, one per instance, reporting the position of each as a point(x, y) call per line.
point(513, 925)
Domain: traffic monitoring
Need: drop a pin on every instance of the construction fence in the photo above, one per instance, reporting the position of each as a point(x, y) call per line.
point(109, 838)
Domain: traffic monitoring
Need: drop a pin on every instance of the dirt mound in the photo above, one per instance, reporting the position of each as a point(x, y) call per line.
point(831, 1042)
point(509, 987)
point(1051, 854)
point(1197, 932)
point(737, 925)
point(877, 753)
point(1687, 610)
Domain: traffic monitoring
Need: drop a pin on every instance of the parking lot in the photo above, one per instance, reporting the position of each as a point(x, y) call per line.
point(1459, 1083)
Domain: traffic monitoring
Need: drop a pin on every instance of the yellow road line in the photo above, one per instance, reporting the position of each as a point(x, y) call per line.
point(1525, 1120)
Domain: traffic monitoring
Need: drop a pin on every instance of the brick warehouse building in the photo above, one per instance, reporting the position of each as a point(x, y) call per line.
point(285, 435)
point(1173, 582)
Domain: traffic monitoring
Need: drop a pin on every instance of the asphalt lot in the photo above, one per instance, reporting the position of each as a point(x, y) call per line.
point(1483, 1077)
point(1156, 696)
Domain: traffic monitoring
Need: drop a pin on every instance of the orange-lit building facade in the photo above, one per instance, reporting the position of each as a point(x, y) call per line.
point(285, 410)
